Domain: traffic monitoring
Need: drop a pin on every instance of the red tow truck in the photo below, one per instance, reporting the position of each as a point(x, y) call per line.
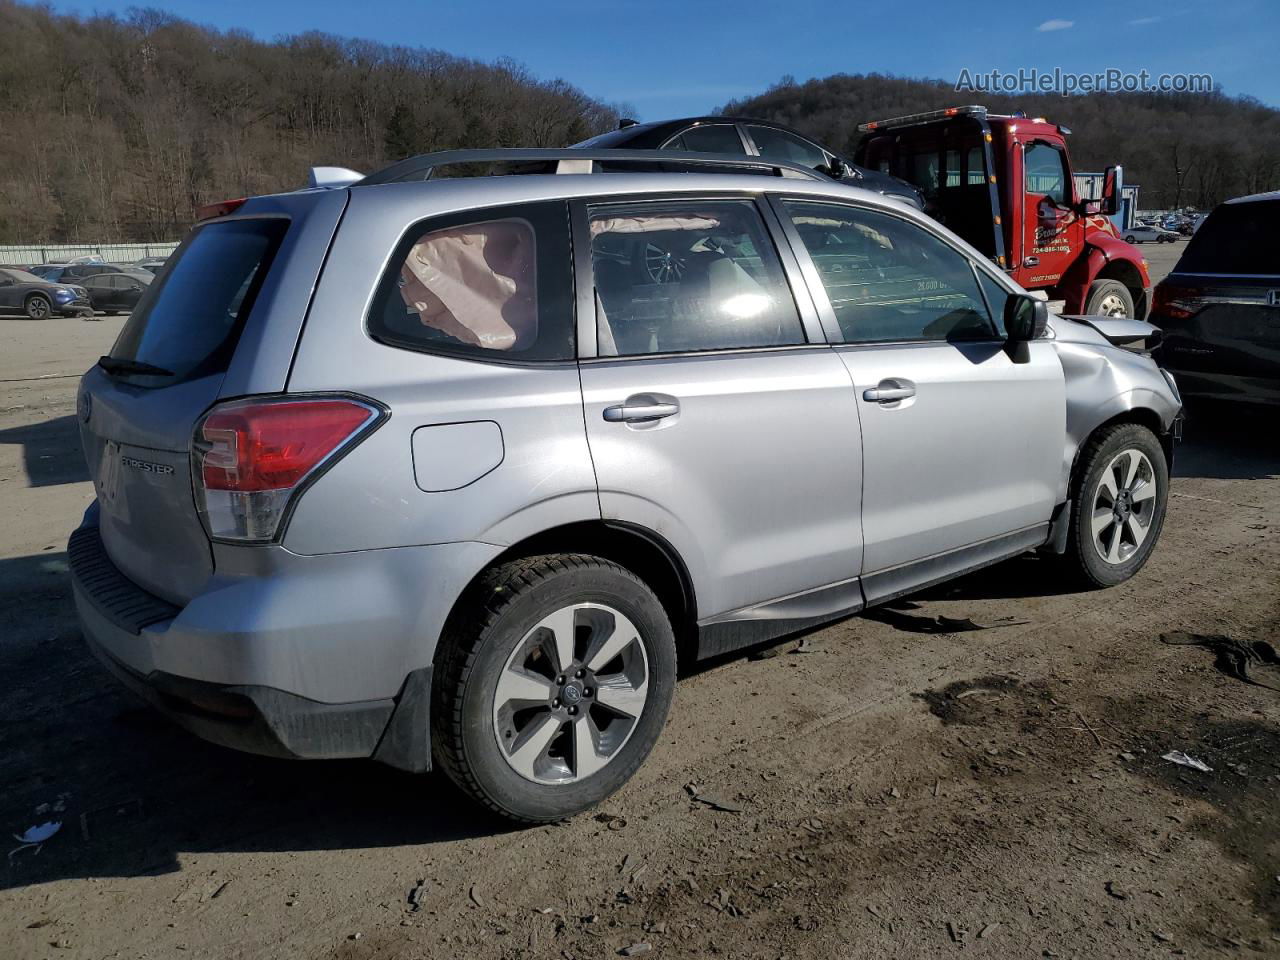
point(1004, 184)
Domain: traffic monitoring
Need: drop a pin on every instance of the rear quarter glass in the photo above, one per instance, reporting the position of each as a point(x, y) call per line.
point(189, 320)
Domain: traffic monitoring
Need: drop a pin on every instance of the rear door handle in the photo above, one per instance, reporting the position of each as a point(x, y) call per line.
point(640, 412)
point(888, 391)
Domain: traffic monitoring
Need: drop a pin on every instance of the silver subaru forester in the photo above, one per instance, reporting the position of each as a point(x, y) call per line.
point(458, 470)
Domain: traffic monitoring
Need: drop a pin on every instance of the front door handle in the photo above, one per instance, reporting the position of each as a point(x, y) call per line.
point(1031, 262)
point(889, 391)
point(640, 412)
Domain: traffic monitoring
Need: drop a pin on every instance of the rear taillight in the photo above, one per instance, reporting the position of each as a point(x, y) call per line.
point(1174, 303)
point(250, 458)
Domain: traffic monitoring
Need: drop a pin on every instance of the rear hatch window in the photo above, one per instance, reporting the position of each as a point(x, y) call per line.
point(188, 323)
point(1238, 239)
point(143, 400)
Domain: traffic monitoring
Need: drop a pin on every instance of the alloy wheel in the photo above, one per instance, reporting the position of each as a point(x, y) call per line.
point(571, 694)
point(1113, 305)
point(38, 308)
point(662, 266)
point(1124, 506)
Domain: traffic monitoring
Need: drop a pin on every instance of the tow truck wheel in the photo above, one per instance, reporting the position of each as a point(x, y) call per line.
point(1109, 298)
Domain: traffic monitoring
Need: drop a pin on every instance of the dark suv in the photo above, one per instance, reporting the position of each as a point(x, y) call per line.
point(757, 138)
point(39, 298)
point(1220, 306)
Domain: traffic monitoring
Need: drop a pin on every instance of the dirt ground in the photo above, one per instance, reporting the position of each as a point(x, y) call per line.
point(895, 786)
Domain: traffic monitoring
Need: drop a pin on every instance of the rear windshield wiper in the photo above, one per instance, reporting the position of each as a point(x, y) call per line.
point(114, 365)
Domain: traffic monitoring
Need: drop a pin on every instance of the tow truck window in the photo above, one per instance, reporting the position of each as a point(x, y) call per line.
point(974, 167)
point(1046, 172)
point(953, 168)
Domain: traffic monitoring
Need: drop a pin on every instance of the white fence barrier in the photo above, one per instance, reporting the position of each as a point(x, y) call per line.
point(110, 252)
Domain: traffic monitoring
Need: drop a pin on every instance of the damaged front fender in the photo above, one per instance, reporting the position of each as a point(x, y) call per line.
point(1105, 382)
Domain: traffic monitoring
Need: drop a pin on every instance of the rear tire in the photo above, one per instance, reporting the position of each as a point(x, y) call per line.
point(552, 684)
point(1119, 495)
point(1109, 298)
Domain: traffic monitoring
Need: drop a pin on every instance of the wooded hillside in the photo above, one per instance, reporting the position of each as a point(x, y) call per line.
point(117, 128)
point(1182, 149)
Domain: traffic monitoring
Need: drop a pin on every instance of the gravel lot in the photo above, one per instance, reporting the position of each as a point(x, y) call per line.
point(904, 788)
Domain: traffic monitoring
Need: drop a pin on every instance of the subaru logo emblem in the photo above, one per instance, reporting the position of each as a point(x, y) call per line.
point(571, 694)
point(84, 406)
point(1273, 298)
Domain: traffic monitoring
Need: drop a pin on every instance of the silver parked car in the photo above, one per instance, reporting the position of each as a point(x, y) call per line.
point(1142, 233)
point(457, 471)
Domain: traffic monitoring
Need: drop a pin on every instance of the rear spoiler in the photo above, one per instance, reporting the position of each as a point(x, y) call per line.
point(1135, 335)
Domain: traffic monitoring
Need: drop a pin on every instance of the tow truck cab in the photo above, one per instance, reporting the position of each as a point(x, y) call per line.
point(1005, 185)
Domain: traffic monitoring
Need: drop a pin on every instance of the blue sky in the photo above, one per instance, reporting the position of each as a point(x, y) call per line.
point(678, 58)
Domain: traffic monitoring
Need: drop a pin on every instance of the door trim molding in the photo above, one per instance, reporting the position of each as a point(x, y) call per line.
point(761, 622)
point(885, 585)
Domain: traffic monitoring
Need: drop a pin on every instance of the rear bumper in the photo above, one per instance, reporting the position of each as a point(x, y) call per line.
point(309, 661)
point(1222, 386)
point(258, 720)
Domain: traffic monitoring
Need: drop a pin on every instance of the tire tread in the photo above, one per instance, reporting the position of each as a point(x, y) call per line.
point(1094, 447)
point(460, 643)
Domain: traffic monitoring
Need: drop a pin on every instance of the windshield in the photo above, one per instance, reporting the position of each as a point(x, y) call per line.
point(189, 321)
point(1237, 238)
point(615, 137)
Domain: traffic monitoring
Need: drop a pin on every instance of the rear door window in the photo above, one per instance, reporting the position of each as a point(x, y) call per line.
point(780, 145)
point(1237, 238)
point(687, 275)
point(189, 320)
point(709, 138)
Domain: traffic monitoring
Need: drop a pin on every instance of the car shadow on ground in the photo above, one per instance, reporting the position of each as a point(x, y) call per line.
point(135, 794)
point(1228, 442)
point(51, 452)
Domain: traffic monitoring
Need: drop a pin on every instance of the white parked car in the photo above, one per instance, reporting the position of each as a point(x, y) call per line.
point(1140, 233)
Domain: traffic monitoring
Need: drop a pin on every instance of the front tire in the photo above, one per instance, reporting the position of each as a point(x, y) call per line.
point(552, 685)
point(1109, 298)
point(38, 307)
point(1119, 495)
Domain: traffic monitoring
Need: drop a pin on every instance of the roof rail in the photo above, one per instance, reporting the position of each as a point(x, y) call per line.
point(575, 160)
point(973, 110)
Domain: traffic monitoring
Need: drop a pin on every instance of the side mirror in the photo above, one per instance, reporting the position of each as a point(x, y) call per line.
point(1112, 189)
point(1025, 317)
point(837, 169)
